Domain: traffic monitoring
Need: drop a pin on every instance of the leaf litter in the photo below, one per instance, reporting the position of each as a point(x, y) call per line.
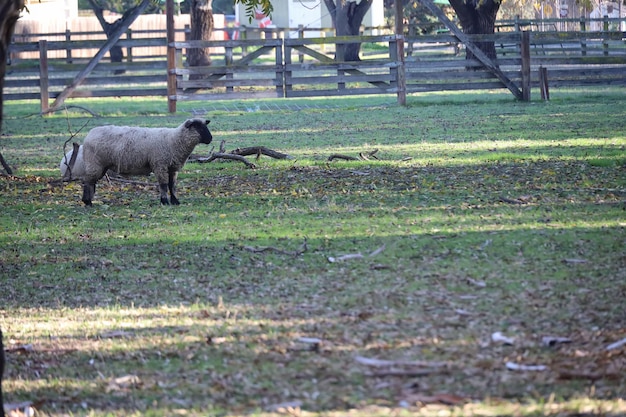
point(202, 317)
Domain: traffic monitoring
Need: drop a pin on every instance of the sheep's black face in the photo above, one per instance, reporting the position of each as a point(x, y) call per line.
point(201, 126)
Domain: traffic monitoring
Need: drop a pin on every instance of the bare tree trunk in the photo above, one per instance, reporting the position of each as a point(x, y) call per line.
point(478, 17)
point(347, 18)
point(201, 16)
point(9, 13)
point(116, 53)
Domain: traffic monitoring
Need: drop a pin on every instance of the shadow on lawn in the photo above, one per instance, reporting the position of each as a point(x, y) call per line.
point(199, 314)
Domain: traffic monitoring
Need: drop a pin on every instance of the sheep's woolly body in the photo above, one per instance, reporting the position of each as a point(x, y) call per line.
point(139, 151)
point(134, 151)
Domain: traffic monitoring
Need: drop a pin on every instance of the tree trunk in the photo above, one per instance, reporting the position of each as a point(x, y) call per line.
point(201, 16)
point(347, 18)
point(9, 13)
point(478, 17)
point(116, 53)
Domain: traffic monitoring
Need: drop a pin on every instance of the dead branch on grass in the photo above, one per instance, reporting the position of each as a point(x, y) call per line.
point(359, 255)
point(512, 200)
point(382, 363)
point(218, 155)
point(239, 154)
point(262, 249)
point(260, 150)
point(363, 156)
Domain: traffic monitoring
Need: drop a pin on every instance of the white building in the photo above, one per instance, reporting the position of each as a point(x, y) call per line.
point(50, 9)
point(311, 14)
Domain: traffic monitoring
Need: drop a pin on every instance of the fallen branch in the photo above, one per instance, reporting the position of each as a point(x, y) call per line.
point(363, 156)
point(411, 373)
point(238, 155)
point(511, 200)
point(379, 363)
point(617, 344)
point(260, 150)
point(344, 157)
point(262, 249)
point(358, 255)
point(512, 366)
point(219, 155)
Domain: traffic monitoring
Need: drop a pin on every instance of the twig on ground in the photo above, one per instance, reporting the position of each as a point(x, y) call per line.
point(344, 157)
point(358, 255)
point(511, 200)
point(617, 344)
point(364, 156)
point(260, 150)
point(379, 363)
point(400, 372)
point(219, 155)
point(262, 249)
point(238, 155)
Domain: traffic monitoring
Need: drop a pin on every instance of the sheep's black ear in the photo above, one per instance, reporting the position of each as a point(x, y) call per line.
point(188, 123)
point(207, 121)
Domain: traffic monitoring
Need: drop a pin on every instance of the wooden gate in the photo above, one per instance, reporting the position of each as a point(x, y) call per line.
point(259, 66)
point(324, 75)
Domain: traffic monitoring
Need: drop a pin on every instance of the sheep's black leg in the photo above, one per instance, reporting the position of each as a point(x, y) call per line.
point(89, 190)
point(172, 186)
point(163, 191)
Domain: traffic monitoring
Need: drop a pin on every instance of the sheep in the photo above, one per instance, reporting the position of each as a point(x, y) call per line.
point(140, 151)
point(78, 170)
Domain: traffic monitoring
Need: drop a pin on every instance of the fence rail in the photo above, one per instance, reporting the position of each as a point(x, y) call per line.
point(299, 67)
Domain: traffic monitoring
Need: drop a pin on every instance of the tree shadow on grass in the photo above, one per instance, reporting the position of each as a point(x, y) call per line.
point(191, 302)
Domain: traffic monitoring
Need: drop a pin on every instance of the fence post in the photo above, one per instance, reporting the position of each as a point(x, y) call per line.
point(280, 69)
point(605, 36)
point(171, 57)
point(43, 75)
point(68, 50)
point(243, 35)
point(583, 42)
point(287, 83)
point(129, 49)
point(300, 36)
point(409, 49)
point(396, 53)
point(228, 61)
point(543, 83)
point(525, 53)
point(187, 32)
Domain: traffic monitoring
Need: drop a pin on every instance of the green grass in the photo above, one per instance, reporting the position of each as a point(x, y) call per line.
point(489, 215)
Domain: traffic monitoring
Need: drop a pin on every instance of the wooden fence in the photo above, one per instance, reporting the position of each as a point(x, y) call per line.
point(300, 67)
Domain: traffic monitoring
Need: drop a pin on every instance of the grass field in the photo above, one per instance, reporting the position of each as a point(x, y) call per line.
point(330, 288)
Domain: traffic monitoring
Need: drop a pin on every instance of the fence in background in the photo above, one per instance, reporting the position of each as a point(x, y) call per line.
point(304, 66)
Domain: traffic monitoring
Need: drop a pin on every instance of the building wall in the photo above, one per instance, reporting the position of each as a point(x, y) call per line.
point(51, 9)
point(308, 13)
